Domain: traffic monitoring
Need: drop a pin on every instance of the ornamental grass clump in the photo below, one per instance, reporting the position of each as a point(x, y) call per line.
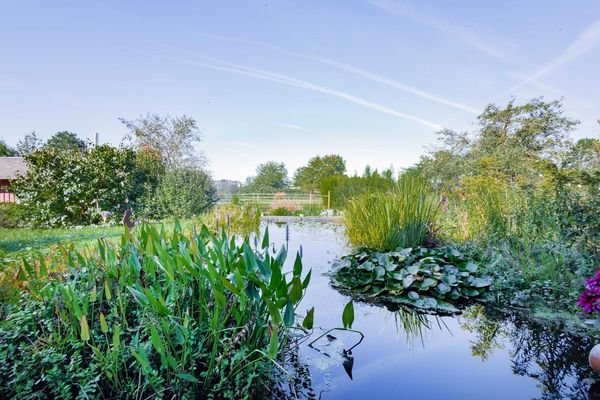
point(163, 314)
point(403, 217)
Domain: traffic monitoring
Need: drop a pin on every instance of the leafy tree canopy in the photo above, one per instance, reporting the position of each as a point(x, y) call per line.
point(6, 150)
point(310, 176)
point(270, 177)
point(66, 141)
point(174, 138)
point(29, 144)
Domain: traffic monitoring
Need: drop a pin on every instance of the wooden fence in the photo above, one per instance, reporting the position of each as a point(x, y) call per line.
point(281, 199)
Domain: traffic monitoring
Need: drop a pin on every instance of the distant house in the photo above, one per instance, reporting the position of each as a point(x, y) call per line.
point(10, 169)
point(227, 188)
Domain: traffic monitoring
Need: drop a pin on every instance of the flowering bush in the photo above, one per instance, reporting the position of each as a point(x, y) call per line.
point(589, 300)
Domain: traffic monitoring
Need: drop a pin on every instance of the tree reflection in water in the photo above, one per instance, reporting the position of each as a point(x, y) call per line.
point(546, 352)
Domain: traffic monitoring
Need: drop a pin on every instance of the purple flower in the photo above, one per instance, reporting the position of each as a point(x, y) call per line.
point(589, 300)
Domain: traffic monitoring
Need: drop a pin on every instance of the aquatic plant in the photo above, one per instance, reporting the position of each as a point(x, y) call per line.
point(171, 314)
point(402, 217)
point(430, 279)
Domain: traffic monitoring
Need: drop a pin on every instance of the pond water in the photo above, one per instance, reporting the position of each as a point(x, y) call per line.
point(481, 354)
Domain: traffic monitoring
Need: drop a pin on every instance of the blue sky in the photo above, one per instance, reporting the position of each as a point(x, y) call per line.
point(371, 80)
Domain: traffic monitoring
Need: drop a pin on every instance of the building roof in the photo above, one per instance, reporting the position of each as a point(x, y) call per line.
point(11, 167)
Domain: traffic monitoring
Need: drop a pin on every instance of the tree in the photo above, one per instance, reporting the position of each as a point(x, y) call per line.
point(66, 141)
point(172, 137)
point(318, 168)
point(185, 192)
point(29, 144)
point(6, 150)
point(270, 176)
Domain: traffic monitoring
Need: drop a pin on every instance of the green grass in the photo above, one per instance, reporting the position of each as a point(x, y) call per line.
point(19, 240)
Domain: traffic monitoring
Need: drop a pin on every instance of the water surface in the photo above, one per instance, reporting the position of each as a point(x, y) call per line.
point(481, 354)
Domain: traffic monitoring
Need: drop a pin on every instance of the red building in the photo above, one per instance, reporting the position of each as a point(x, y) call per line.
point(10, 168)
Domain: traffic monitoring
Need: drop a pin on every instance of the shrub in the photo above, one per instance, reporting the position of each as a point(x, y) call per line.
point(12, 215)
point(174, 315)
point(388, 220)
point(67, 187)
point(185, 192)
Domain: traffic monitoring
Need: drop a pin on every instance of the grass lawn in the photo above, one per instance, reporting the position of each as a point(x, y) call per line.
point(21, 240)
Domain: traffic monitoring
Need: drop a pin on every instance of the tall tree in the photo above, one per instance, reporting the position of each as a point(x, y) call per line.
point(66, 141)
point(174, 138)
point(6, 150)
point(310, 176)
point(270, 176)
point(29, 144)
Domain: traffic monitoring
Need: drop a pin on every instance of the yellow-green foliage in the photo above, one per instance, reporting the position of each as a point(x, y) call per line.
point(402, 217)
point(243, 218)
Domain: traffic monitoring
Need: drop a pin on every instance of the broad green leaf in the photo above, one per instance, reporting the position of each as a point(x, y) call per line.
point(103, 325)
point(187, 377)
point(116, 337)
point(309, 319)
point(288, 315)
point(265, 240)
point(274, 342)
point(156, 340)
point(85, 330)
point(348, 315)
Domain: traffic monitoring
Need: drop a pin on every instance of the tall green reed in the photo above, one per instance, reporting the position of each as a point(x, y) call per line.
point(402, 217)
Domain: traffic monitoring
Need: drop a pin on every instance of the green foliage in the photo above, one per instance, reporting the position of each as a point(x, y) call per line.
point(173, 138)
point(403, 217)
point(66, 141)
point(242, 218)
point(270, 177)
point(185, 192)
point(430, 279)
point(6, 150)
point(30, 143)
point(343, 188)
point(67, 188)
point(526, 197)
point(12, 215)
point(348, 315)
point(185, 316)
point(309, 177)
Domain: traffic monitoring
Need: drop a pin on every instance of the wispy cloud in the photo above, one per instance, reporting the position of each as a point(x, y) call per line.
point(537, 83)
point(240, 153)
point(291, 126)
point(462, 33)
point(291, 81)
point(354, 70)
point(583, 42)
point(240, 144)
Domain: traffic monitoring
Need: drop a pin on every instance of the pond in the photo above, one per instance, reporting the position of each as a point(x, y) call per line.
point(480, 354)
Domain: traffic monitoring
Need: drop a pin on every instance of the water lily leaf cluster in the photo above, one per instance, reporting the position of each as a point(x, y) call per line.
point(425, 278)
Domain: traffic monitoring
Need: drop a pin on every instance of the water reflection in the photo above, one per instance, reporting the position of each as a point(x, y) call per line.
point(481, 354)
point(546, 352)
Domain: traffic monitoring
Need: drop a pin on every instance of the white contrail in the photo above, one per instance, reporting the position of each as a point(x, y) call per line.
point(290, 126)
point(290, 81)
point(357, 71)
point(461, 33)
point(585, 41)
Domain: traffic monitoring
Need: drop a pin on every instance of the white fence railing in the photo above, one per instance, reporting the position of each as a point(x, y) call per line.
point(281, 199)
